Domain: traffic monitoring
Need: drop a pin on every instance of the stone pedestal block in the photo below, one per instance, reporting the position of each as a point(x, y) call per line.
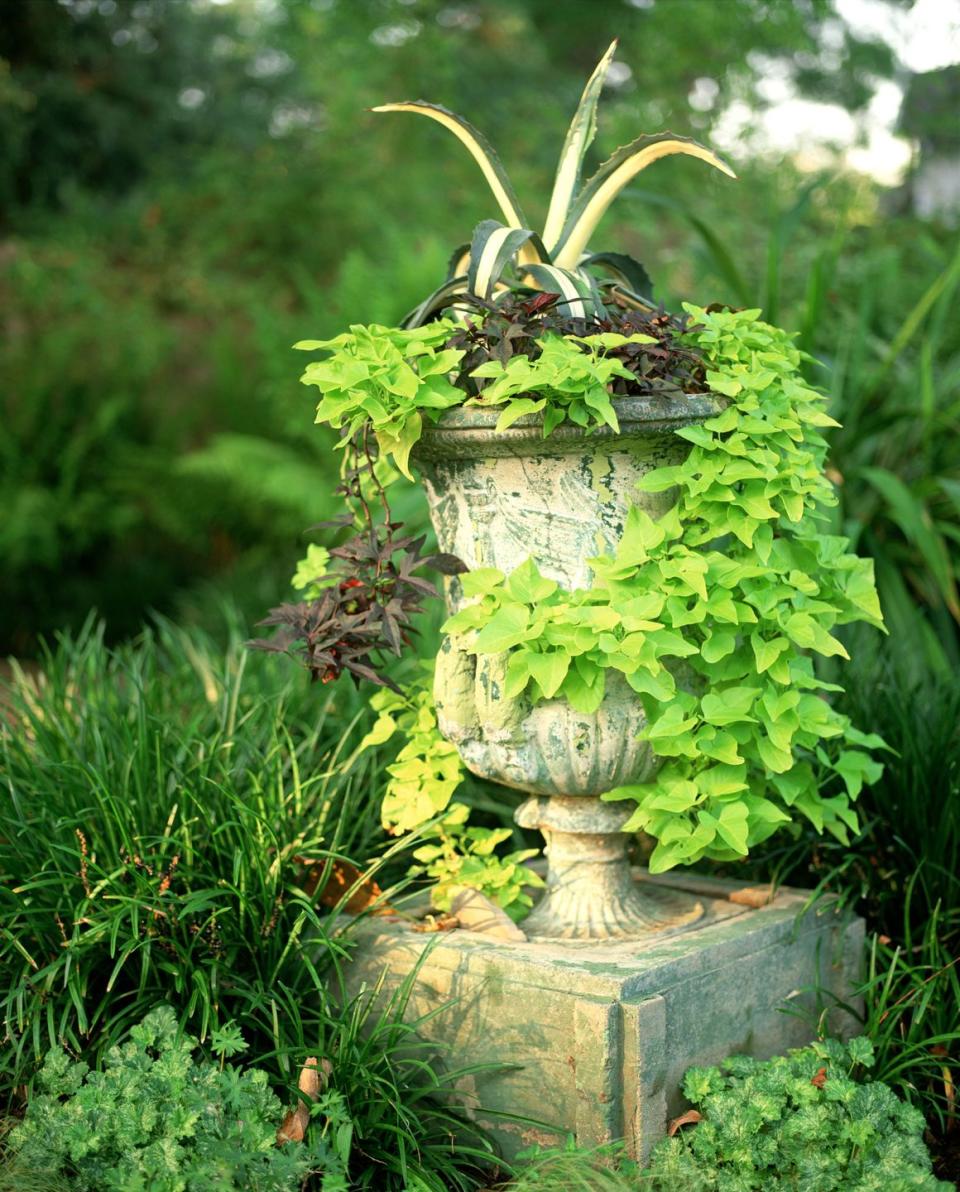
point(595, 1036)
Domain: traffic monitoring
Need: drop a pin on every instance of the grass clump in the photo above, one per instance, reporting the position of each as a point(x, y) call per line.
point(172, 811)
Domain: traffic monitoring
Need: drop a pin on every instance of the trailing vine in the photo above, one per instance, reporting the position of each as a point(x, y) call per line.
point(738, 582)
point(420, 785)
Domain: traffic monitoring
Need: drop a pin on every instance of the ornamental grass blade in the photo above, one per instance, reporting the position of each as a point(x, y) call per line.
point(580, 135)
point(600, 190)
point(479, 148)
point(914, 521)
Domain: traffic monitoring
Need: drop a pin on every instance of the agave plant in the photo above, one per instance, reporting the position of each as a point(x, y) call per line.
point(558, 259)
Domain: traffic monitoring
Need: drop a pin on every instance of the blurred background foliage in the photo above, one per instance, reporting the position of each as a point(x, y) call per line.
point(188, 187)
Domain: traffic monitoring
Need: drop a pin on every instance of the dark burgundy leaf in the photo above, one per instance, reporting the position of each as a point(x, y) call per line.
point(446, 564)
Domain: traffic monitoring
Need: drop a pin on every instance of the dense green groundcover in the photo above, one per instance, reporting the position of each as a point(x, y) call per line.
point(155, 1118)
point(809, 1121)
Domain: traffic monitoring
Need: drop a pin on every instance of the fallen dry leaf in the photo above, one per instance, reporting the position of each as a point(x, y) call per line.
point(477, 912)
point(820, 1079)
point(340, 877)
point(690, 1118)
point(755, 896)
point(313, 1079)
point(437, 923)
point(949, 1088)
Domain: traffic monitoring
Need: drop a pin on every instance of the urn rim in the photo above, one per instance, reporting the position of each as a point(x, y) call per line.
point(471, 430)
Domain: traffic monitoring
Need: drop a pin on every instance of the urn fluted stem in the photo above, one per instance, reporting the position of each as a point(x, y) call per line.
point(591, 892)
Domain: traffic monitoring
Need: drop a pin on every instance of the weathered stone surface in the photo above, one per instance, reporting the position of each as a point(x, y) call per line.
point(593, 1037)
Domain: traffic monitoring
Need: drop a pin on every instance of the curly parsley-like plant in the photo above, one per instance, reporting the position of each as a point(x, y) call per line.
point(804, 1120)
point(155, 1117)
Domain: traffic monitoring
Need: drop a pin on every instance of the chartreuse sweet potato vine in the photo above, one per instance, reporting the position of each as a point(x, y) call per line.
point(392, 380)
point(712, 614)
point(420, 784)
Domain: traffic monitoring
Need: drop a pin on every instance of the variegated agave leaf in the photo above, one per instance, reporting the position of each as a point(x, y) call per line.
point(600, 190)
point(580, 135)
point(560, 266)
point(621, 269)
point(458, 262)
point(441, 298)
point(480, 149)
point(494, 248)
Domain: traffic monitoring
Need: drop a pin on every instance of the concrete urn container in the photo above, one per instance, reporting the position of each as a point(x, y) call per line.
point(495, 500)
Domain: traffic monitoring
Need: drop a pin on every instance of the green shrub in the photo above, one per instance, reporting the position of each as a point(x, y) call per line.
point(156, 1117)
point(800, 1121)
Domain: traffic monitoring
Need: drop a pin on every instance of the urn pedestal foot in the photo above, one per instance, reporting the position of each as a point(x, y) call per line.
point(591, 893)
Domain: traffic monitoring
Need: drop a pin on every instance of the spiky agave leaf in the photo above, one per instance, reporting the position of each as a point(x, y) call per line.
point(621, 268)
point(441, 298)
point(479, 147)
point(580, 135)
point(600, 190)
point(578, 292)
point(458, 262)
point(492, 249)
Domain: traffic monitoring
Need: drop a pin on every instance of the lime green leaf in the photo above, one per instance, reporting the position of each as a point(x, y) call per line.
point(528, 586)
point(584, 694)
point(721, 780)
point(481, 581)
point(715, 743)
point(508, 627)
point(729, 706)
point(549, 670)
point(669, 723)
point(767, 652)
point(730, 826)
point(718, 645)
point(517, 408)
point(518, 673)
point(857, 769)
point(678, 797)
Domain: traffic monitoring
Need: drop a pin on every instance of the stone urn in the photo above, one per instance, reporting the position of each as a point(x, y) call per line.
point(497, 498)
